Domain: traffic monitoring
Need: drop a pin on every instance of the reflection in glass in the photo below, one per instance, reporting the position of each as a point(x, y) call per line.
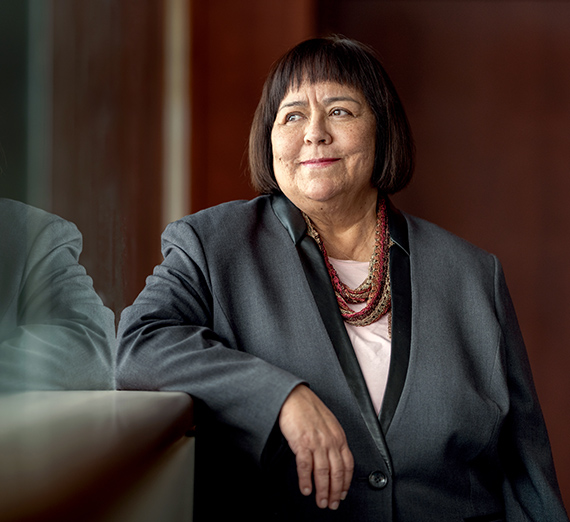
point(55, 332)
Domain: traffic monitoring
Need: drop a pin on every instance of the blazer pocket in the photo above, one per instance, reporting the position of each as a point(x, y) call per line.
point(493, 517)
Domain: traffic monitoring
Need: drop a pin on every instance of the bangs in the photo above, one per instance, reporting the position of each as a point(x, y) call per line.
point(322, 66)
point(320, 60)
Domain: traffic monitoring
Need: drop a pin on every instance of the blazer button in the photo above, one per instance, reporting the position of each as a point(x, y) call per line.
point(377, 480)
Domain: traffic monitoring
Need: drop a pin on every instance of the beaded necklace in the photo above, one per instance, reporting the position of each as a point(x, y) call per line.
point(375, 290)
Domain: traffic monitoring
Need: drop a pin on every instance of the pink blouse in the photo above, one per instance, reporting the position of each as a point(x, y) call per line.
point(372, 344)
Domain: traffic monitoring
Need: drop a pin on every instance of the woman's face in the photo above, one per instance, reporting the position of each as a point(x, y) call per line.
point(323, 141)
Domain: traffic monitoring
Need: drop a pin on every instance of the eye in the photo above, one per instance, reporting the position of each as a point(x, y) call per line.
point(294, 116)
point(340, 112)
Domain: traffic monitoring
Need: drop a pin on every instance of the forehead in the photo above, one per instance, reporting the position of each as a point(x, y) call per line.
point(322, 91)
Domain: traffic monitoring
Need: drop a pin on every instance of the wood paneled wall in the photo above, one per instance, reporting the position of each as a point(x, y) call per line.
point(108, 83)
point(233, 47)
point(486, 86)
point(107, 136)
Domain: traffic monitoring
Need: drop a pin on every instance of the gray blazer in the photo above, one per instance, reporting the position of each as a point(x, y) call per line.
point(55, 333)
point(242, 310)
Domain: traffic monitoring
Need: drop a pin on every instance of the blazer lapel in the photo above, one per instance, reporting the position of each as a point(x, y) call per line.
point(323, 293)
point(401, 289)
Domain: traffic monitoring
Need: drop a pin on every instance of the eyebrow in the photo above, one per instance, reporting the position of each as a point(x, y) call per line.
point(326, 101)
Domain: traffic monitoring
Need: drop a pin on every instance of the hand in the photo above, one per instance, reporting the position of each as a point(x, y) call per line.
point(320, 447)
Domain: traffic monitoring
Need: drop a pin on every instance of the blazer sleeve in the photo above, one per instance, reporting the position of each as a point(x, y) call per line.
point(59, 336)
point(177, 337)
point(531, 491)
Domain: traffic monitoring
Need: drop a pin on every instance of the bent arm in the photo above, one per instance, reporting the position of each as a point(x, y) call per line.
point(178, 336)
point(171, 339)
point(61, 336)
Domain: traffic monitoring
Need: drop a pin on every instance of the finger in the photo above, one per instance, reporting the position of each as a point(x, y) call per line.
point(337, 474)
point(304, 460)
point(321, 475)
point(348, 460)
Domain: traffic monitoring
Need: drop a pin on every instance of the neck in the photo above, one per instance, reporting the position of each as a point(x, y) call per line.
point(347, 233)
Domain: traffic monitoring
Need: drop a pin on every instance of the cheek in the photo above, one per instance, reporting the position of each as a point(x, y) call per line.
point(279, 165)
point(365, 151)
point(282, 168)
point(283, 145)
point(364, 138)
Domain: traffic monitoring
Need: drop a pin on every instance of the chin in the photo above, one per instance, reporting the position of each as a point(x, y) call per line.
point(321, 191)
point(319, 197)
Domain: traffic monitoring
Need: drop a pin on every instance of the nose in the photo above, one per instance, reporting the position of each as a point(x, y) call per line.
point(316, 131)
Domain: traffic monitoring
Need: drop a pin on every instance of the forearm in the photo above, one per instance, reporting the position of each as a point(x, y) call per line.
point(241, 391)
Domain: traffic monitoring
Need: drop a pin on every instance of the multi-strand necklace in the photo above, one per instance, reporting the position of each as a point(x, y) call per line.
point(375, 290)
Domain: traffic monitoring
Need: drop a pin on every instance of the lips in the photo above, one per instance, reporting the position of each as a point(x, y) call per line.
point(319, 162)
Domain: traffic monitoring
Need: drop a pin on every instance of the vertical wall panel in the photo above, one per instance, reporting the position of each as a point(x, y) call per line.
point(233, 47)
point(13, 98)
point(107, 136)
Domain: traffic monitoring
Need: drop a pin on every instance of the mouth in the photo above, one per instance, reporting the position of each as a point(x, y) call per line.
point(319, 162)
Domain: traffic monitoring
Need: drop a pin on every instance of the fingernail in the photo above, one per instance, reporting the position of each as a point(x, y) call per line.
point(343, 495)
point(307, 491)
point(334, 505)
point(323, 503)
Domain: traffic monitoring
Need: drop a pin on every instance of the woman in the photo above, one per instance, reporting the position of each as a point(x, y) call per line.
point(414, 403)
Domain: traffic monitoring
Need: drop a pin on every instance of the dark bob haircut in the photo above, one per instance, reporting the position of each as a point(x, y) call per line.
point(348, 62)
